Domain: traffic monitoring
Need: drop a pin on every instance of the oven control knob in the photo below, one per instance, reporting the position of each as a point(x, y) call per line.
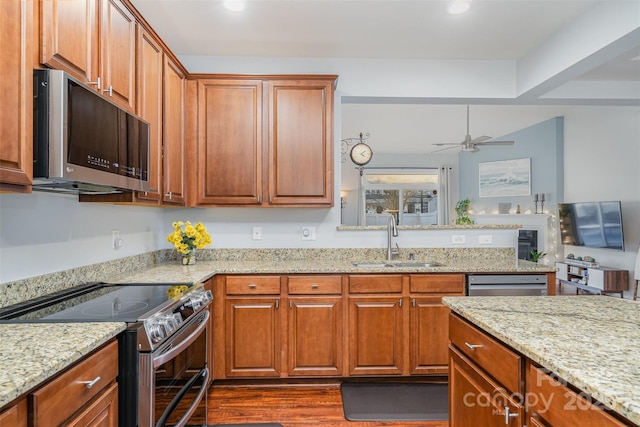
point(155, 332)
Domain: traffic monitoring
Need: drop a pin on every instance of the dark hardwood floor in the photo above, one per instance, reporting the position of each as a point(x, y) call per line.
point(290, 405)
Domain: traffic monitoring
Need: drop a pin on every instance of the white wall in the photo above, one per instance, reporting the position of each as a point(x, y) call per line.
point(602, 162)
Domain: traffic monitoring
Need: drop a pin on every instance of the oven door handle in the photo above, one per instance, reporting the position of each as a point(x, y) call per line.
point(204, 372)
point(174, 351)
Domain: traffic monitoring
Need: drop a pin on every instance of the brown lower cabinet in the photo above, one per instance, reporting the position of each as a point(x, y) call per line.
point(331, 325)
point(15, 415)
point(491, 384)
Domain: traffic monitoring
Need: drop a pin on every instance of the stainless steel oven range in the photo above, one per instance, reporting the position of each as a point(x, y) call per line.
point(163, 374)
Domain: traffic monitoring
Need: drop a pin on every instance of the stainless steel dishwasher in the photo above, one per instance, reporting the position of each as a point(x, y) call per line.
point(506, 284)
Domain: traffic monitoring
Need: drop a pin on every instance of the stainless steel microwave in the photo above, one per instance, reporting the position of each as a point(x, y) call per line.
point(83, 143)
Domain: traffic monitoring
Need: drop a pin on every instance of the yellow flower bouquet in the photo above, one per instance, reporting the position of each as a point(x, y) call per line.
point(186, 238)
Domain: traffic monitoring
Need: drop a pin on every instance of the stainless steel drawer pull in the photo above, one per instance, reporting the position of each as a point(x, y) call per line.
point(90, 384)
point(473, 346)
point(252, 286)
point(508, 415)
point(315, 286)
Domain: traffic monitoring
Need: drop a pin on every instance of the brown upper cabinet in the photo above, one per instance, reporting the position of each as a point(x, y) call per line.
point(95, 41)
point(16, 87)
point(174, 183)
point(264, 141)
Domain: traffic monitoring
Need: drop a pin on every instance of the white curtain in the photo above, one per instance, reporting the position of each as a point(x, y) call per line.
point(445, 197)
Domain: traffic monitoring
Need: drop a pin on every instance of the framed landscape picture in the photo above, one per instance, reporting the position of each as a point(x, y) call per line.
point(505, 178)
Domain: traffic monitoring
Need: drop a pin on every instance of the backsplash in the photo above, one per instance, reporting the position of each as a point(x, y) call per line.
point(111, 271)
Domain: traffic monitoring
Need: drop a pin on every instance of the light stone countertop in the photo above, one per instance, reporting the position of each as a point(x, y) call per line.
point(592, 342)
point(173, 271)
point(31, 353)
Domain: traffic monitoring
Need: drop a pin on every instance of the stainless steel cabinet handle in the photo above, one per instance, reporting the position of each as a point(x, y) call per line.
point(109, 91)
point(90, 384)
point(413, 302)
point(252, 286)
point(508, 415)
point(400, 302)
point(315, 286)
point(473, 346)
point(97, 83)
point(277, 303)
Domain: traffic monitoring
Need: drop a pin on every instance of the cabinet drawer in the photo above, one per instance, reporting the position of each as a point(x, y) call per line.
point(437, 283)
point(50, 403)
point(375, 283)
point(558, 405)
point(496, 359)
point(315, 285)
point(247, 285)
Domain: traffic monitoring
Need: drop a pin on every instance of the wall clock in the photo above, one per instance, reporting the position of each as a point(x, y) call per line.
point(361, 154)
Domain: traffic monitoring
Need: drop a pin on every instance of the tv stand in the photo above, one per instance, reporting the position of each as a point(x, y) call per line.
point(592, 278)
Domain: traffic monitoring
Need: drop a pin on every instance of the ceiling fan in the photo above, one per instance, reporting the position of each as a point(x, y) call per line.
point(472, 145)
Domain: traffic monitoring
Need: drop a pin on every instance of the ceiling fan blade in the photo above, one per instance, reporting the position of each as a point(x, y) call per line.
point(495, 143)
point(482, 138)
point(439, 144)
point(443, 149)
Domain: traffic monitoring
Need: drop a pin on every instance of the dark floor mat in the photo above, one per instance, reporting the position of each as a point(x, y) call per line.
point(394, 401)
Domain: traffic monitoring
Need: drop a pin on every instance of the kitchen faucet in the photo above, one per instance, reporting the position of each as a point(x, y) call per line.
point(392, 231)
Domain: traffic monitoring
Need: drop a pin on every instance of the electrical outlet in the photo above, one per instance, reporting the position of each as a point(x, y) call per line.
point(458, 239)
point(116, 241)
point(485, 239)
point(257, 233)
point(308, 233)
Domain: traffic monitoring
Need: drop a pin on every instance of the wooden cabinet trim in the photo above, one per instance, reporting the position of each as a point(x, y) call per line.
point(375, 283)
point(499, 361)
point(49, 401)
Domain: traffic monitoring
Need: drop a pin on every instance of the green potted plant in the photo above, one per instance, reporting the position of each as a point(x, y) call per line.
point(535, 255)
point(462, 210)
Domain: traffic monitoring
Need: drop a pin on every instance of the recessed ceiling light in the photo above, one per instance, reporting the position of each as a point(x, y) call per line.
point(234, 5)
point(458, 7)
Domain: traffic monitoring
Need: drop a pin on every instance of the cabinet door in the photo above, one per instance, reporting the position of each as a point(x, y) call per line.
point(475, 400)
point(173, 135)
point(428, 335)
point(69, 37)
point(15, 415)
point(375, 335)
point(229, 142)
point(118, 53)
point(16, 87)
point(102, 412)
point(555, 404)
point(300, 129)
point(253, 341)
point(315, 336)
point(149, 80)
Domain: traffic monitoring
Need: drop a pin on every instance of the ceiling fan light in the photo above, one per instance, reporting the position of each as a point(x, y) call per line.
point(458, 7)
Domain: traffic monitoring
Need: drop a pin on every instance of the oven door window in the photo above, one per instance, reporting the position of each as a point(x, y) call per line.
point(180, 387)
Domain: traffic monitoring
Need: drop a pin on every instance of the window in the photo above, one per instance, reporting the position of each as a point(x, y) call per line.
point(411, 196)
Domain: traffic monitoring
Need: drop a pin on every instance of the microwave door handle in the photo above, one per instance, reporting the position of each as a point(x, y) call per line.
point(204, 372)
point(165, 357)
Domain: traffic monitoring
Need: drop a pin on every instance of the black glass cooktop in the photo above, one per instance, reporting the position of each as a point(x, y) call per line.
point(92, 303)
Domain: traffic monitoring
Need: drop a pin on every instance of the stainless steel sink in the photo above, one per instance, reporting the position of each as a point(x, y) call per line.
point(391, 264)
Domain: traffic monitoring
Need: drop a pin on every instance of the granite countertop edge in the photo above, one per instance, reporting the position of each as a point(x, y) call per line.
point(32, 353)
point(203, 270)
point(581, 368)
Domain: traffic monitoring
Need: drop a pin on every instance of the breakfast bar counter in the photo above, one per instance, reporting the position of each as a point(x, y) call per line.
point(591, 342)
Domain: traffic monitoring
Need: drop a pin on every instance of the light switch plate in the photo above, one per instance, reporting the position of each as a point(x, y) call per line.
point(458, 239)
point(485, 239)
point(256, 233)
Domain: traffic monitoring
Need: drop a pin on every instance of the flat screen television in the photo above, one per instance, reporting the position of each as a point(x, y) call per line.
point(591, 224)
